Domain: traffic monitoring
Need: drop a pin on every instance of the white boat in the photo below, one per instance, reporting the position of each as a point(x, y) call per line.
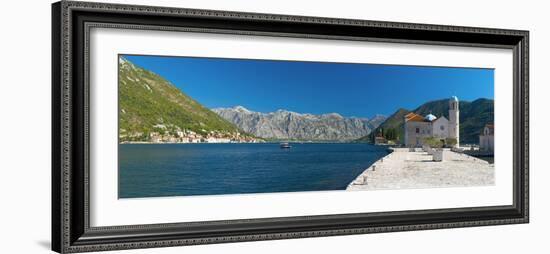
point(284, 145)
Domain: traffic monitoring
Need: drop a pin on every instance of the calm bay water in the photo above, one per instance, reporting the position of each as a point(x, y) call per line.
point(158, 170)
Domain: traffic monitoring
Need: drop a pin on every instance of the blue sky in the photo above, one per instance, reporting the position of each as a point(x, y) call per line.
point(361, 90)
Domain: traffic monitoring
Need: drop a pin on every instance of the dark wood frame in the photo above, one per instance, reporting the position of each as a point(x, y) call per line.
point(71, 22)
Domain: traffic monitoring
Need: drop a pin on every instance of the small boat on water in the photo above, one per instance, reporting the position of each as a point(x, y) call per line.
point(284, 145)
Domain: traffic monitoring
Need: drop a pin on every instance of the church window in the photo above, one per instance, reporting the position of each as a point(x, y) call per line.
point(442, 127)
point(417, 130)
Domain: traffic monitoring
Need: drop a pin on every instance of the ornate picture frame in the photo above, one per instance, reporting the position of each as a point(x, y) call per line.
point(71, 229)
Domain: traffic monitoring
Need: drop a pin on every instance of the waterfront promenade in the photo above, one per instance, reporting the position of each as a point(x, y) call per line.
point(404, 169)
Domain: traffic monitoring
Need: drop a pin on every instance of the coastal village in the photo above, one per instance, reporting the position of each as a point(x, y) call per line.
point(173, 134)
point(431, 156)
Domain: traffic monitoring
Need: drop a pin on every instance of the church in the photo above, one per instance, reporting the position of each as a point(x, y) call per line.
point(418, 127)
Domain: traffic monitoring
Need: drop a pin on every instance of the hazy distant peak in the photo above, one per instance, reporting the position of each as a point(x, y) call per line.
point(236, 109)
point(241, 109)
point(284, 111)
point(378, 116)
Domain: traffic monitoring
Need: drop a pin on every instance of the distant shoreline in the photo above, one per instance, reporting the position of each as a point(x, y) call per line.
point(266, 142)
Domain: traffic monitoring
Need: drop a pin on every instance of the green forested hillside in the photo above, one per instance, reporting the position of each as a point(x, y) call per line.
point(473, 117)
point(149, 103)
point(392, 122)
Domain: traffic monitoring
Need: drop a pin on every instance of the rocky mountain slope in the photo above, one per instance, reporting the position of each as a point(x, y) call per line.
point(149, 105)
point(287, 125)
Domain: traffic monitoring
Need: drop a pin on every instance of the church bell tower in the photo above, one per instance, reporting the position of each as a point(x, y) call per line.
point(454, 120)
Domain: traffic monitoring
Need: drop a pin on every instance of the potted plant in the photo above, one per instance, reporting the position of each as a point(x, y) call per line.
point(435, 147)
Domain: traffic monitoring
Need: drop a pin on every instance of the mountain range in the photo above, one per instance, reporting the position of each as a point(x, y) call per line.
point(288, 125)
point(151, 108)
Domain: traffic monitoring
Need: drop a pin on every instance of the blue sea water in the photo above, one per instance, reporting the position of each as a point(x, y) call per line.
point(159, 170)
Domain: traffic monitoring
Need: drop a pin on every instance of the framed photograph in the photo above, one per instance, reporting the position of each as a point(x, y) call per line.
point(181, 126)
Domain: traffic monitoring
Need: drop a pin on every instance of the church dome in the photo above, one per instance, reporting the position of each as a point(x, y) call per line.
point(430, 117)
point(454, 98)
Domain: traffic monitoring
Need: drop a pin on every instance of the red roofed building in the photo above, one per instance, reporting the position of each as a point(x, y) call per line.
point(417, 127)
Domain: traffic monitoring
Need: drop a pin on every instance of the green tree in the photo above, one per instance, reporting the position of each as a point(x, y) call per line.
point(434, 142)
point(450, 142)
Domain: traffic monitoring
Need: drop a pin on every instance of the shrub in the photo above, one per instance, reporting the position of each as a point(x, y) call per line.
point(450, 142)
point(434, 142)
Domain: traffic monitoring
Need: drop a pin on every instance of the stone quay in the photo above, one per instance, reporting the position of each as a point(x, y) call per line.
point(411, 168)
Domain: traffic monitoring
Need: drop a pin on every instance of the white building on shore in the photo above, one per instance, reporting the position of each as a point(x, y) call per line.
point(487, 138)
point(417, 127)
